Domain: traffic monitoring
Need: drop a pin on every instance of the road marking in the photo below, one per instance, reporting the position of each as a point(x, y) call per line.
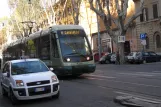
point(148, 75)
point(94, 78)
point(98, 76)
point(145, 85)
point(156, 71)
point(140, 97)
point(151, 73)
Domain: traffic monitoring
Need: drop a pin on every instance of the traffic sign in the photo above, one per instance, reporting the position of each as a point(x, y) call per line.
point(143, 42)
point(142, 36)
point(121, 39)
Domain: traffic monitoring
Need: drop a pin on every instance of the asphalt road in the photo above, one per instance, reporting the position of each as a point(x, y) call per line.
point(100, 88)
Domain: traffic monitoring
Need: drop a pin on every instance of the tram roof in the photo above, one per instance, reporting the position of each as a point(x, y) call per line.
point(66, 27)
point(45, 31)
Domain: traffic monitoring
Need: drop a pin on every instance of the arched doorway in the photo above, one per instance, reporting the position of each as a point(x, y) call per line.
point(157, 41)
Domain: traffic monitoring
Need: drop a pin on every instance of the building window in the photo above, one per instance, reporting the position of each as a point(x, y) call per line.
point(147, 43)
point(155, 11)
point(144, 16)
point(158, 41)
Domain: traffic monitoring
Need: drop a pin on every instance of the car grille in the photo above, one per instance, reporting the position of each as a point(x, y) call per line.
point(32, 90)
point(38, 83)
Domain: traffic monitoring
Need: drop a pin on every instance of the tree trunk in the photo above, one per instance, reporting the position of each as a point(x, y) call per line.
point(121, 53)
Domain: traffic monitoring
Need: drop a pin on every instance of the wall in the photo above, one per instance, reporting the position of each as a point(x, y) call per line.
point(152, 27)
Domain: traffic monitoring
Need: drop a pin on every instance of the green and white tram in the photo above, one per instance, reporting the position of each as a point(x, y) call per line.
point(64, 47)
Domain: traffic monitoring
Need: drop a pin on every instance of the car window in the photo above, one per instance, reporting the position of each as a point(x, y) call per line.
point(6, 68)
point(28, 67)
point(152, 53)
point(145, 54)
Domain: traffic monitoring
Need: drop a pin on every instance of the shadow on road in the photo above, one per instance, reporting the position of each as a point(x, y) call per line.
point(71, 78)
point(40, 101)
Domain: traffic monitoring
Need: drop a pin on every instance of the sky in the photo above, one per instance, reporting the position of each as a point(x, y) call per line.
point(4, 9)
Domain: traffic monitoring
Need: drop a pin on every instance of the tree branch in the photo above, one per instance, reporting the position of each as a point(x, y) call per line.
point(137, 14)
point(120, 18)
point(99, 5)
point(94, 9)
point(108, 10)
point(125, 7)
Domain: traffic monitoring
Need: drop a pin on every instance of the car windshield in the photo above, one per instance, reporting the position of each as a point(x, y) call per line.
point(28, 67)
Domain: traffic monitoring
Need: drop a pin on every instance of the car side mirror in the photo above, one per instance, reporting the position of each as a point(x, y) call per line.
point(52, 69)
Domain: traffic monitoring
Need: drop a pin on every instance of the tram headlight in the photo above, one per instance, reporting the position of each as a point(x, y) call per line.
point(68, 59)
point(88, 58)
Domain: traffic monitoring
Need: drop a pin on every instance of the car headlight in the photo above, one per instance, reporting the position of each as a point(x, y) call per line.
point(54, 78)
point(19, 83)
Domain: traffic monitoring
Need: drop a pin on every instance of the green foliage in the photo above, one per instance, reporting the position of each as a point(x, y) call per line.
point(23, 11)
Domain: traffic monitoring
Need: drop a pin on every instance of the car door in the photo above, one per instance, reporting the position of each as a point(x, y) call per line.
point(146, 56)
point(4, 75)
point(153, 56)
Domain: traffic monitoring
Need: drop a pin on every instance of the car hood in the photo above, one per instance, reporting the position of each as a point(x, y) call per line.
point(34, 76)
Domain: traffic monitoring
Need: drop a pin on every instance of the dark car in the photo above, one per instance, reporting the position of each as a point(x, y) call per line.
point(105, 59)
point(150, 57)
point(147, 57)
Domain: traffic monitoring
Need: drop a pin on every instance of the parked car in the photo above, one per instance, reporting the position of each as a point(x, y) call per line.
point(108, 58)
point(105, 59)
point(96, 56)
point(134, 57)
point(26, 79)
point(150, 57)
point(143, 57)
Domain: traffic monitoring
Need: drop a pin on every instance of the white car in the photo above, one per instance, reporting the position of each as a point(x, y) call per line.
point(27, 79)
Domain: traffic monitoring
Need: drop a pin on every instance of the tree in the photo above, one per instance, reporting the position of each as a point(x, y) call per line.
point(23, 12)
point(68, 11)
point(115, 12)
point(3, 30)
point(76, 9)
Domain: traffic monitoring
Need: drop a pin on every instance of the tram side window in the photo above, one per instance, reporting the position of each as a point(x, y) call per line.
point(45, 48)
point(55, 47)
point(31, 48)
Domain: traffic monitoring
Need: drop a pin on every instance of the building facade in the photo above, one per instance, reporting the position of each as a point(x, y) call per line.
point(149, 23)
point(106, 42)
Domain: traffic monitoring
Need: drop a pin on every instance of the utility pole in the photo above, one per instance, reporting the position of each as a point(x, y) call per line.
point(98, 27)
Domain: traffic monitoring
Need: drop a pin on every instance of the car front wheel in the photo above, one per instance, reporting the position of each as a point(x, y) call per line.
point(3, 91)
point(12, 97)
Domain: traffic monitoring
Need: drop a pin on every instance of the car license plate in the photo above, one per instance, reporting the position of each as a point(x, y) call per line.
point(39, 89)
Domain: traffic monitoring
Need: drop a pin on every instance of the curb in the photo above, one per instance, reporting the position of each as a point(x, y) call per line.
point(131, 101)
